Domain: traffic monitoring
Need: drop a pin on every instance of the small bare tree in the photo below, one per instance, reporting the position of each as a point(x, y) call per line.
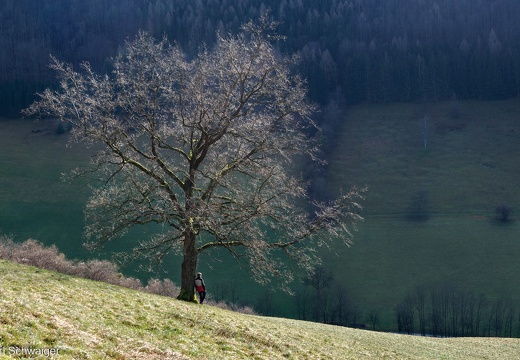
point(320, 279)
point(373, 317)
point(204, 147)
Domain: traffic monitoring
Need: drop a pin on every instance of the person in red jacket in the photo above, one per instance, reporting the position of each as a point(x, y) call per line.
point(200, 287)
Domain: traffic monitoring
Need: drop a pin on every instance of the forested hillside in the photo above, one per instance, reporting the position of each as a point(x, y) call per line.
point(355, 50)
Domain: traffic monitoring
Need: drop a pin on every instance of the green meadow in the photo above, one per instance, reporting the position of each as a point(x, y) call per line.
point(34, 201)
point(435, 174)
point(469, 166)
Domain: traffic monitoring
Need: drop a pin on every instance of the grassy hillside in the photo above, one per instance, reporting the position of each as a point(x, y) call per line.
point(83, 319)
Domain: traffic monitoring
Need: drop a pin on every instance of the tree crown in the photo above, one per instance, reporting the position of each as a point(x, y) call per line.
point(203, 146)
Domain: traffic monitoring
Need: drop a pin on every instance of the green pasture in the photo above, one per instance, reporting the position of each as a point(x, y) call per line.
point(470, 165)
point(34, 201)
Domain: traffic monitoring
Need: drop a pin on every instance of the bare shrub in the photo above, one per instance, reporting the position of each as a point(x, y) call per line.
point(32, 252)
point(165, 287)
point(129, 282)
point(6, 247)
point(246, 310)
point(232, 307)
point(102, 270)
point(80, 269)
point(219, 304)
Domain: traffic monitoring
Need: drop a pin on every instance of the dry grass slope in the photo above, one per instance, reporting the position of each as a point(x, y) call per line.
point(85, 319)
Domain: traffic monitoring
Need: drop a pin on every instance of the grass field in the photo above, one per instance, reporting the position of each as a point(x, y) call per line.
point(72, 318)
point(468, 167)
point(34, 202)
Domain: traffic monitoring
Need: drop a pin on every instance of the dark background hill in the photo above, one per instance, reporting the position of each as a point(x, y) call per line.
point(352, 51)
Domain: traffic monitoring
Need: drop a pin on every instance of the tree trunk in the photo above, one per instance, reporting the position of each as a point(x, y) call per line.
point(189, 267)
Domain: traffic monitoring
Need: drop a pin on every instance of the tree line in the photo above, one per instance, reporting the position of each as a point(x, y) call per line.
point(438, 309)
point(359, 50)
point(322, 299)
point(447, 310)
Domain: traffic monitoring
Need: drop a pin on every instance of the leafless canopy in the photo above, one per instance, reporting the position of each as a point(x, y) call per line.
point(204, 147)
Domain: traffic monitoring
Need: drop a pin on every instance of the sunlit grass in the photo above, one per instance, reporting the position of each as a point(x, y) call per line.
point(83, 319)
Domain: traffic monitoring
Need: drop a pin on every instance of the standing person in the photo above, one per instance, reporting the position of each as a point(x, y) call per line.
point(200, 287)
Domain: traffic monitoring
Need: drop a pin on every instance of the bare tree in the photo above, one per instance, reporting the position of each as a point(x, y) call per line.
point(302, 300)
point(205, 148)
point(227, 290)
point(320, 279)
point(420, 304)
point(344, 310)
point(509, 318)
point(220, 291)
point(234, 291)
point(373, 317)
point(482, 304)
point(264, 304)
point(340, 305)
point(404, 312)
